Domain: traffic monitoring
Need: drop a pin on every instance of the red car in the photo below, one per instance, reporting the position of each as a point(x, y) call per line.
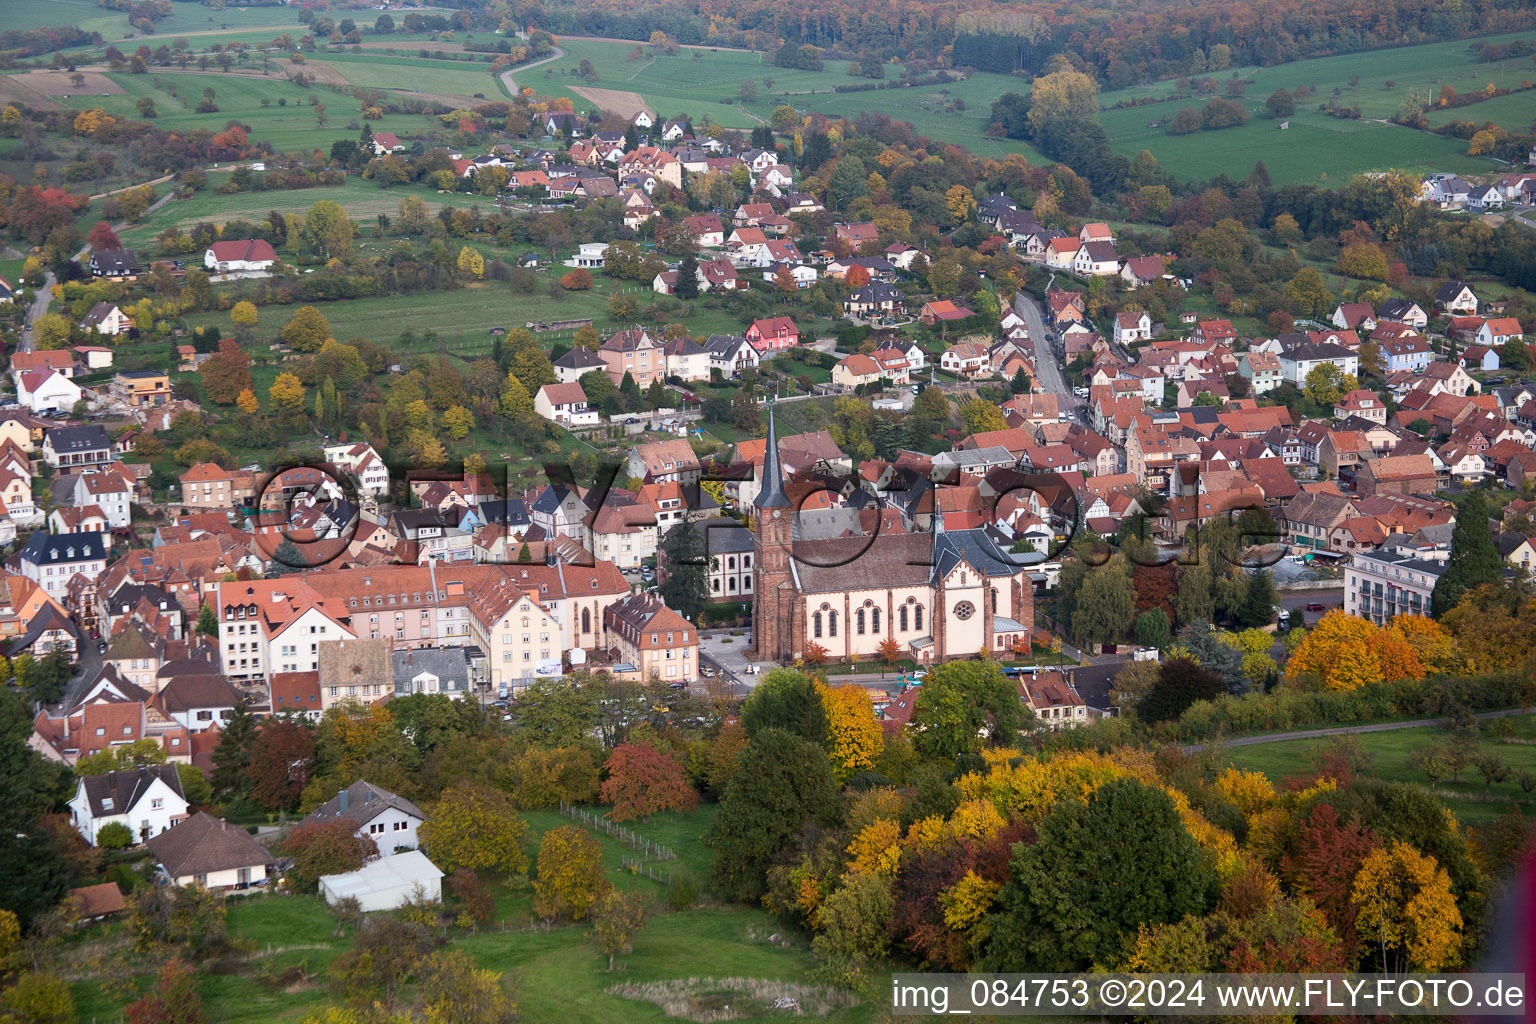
point(1316, 606)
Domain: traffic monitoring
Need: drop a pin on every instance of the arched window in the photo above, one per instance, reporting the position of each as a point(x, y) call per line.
point(816, 625)
point(858, 622)
point(917, 610)
point(901, 618)
point(874, 620)
point(586, 620)
point(831, 623)
point(994, 600)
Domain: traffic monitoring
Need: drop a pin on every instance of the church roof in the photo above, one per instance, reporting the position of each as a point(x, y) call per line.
point(772, 494)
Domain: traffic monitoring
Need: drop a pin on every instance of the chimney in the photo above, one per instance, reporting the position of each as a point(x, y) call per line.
point(343, 800)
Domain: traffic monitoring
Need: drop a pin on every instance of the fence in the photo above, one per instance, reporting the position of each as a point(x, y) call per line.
point(629, 837)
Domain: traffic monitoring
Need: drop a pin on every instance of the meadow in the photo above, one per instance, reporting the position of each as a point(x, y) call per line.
point(414, 74)
point(555, 972)
point(1391, 756)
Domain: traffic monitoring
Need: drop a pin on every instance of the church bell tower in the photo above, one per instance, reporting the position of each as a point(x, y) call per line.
point(773, 609)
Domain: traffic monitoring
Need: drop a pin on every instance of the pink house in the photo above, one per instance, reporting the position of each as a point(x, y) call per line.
point(774, 334)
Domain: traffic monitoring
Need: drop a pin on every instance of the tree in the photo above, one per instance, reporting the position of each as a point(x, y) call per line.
point(1259, 601)
point(455, 990)
point(474, 826)
point(963, 705)
point(1280, 104)
point(471, 264)
point(643, 781)
point(52, 331)
point(1104, 605)
point(617, 917)
point(174, 1000)
point(1180, 682)
point(1308, 294)
point(1066, 93)
point(39, 998)
point(516, 403)
point(226, 373)
point(1326, 383)
point(114, 835)
point(1053, 916)
point(327, 231)
point(103, 238)
point(325, 848)
point(853, 928)
point(194, 785)
point(243, 315)
point(849, 181)
point(570, 873)
point(282, 757)
point(458, 421)
point(854, 736)
point(1153, 628)
point(186, 918)
point(686, 587)
point(1406, 909)
point(49, 676)
point(286, 394)
point(1474, 559)
point(387, 951)
point(306, 330)
point(981, 416)
point(781, 781)
point(232, 756)
point(1347, 652)
point(786, 700)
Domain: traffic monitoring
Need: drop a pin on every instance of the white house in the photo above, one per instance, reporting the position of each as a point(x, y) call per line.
point(1303, 359)
point(387, 883)
point(106, 318)
point(1134, 326)
point(109, 491)
point(45, 391)
point(1096, 259)
point(1485, 197)
point(1498, 331)
point(589, 256)
point(148, 800)
point(565, 404)
point(731, 354)
point(643, 119)
point(247, 256)
point(390, 821)
point(363, 463)
point(52, 561)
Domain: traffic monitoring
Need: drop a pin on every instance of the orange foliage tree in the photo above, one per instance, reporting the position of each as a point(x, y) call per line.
point(1348, 652)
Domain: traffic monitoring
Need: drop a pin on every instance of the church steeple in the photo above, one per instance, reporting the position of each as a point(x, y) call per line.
point(772, 495)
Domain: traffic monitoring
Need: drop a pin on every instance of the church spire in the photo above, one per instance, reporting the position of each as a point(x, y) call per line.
point(772, 495)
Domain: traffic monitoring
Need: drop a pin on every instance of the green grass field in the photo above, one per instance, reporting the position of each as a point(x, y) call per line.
point(405, 74)
point(1391, 754)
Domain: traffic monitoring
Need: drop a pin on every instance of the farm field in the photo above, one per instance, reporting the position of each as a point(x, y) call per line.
point(1315, 149)
point(287, 120)
point(408, 74)
point(1391, 754)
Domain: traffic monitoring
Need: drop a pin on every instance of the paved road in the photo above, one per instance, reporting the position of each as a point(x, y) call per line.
point(1046, 366)
point(506, 76)
point(1346, 730)
point(39, 307)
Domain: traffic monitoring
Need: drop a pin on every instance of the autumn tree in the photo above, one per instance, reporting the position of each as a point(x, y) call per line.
point(103, 238)
point(474, 826)
point(617, 917)
point(286, 394)
point(184, 918)
point(471, 264)
point(643, 781)
point(1308, 293)
point(282, 756)
point(325, 848)
point(854, 736)
point(174, 1000)
point(981, 416)
point(227, 372)
point(456, 990)
point(327, 231)
point(1405, 908)
point(458, 421)
point(306, 330)
point(1062, 94)
point(1347, 652)
point(1326, 383)
point(39, 998)
point(243, 315)
point(570, 874)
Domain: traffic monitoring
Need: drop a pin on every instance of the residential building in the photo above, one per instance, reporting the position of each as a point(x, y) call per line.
point(374, 813)
point(654, 640)
point(210, 852)
point(246, 256)
point(148, 800)
point(565, 404)
point(1380, 585)
point(53, 561)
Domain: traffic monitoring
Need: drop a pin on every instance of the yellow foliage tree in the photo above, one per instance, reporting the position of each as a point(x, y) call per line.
point(474, 826)
point(1429, 640)
point(286, 394)
point(247, 403)
point(877, 849)
point(975, 819)
point(1249, 792)
point(854, 732)
point(966, 903)
point(471, 263)
point(1406, 906)
point(1347, 652)
point(570, 873)
point(960, 202)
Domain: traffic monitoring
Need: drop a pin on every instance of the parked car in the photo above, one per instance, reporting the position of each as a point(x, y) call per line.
point(1316, 606)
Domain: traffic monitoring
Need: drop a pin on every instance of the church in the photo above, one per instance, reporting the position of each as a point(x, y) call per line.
point(939, 595)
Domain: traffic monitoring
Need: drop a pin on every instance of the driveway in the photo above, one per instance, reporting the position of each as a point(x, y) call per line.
point(39, 307)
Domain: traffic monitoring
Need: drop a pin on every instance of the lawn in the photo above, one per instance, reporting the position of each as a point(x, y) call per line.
point(1391, 754)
